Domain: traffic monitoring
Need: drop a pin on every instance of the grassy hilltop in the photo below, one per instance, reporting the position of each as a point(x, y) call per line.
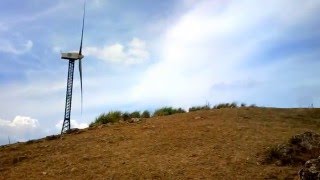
point(224, 143)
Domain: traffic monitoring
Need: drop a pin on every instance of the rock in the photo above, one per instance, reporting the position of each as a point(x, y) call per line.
point(73, 131)
point(278, 163)
point(311, 170)
point(308, 140)
point(52, 137)
point(73, 169)
point(100, 126)
point(298, 150)
point(198, 117)
point(85, 158)
point(134, 120)
point(121, 121)
point(44, 173)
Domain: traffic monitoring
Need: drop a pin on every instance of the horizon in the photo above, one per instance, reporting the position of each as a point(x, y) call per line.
point(145, 55)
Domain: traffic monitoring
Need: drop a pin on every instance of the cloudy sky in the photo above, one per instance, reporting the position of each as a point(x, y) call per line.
point(147, 54)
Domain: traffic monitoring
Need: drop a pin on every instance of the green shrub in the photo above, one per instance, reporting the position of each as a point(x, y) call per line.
point(272, 154)
point(135, 114)
point(126, 116)
point(101, 119)
point(225, 105)
point(165, 111)
point(111, 117)
point(243, 105)
point(92, 124)
point(221, 105)
point(253, 106)
point(145, 114)
point(197, 108)
point(233, 105)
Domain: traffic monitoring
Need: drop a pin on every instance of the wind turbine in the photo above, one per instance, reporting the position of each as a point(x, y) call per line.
point(72, 57)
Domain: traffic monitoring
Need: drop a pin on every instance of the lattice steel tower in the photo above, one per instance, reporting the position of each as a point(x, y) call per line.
point(72, 57)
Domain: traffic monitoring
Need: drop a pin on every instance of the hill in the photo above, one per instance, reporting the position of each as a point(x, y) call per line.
point(208, 144)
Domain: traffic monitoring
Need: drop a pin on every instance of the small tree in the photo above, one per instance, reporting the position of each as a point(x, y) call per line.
point(145, 114)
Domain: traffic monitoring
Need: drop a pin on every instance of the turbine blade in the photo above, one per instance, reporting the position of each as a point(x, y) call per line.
point(84, 15)
point(80, 52)
point(80, 73)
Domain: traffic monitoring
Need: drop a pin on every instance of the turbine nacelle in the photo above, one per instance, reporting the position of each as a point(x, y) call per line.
point(71, 56)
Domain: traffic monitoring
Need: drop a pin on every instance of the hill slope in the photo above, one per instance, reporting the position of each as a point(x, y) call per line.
point(213, 144)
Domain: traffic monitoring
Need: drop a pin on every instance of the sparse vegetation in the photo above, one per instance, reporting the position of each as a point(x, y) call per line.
point(31, 141)
point(165, 111)
point(92, 124)
point(145, 114)
point(135, 114)
point(115, 116)
point(197, 108)
point(52, 137)
point(225, 105)
point(111, 117)
point(243, 105)
point(185, 144)
point(126, 116)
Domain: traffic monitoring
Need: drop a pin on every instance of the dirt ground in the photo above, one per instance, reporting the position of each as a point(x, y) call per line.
point(211, 144)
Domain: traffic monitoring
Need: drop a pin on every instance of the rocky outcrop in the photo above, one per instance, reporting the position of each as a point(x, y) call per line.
point(307, 140)
point(298, 150)
point(73, 131)
point(311, 170)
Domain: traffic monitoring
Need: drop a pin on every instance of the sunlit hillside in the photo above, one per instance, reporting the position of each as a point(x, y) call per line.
point(206, 144)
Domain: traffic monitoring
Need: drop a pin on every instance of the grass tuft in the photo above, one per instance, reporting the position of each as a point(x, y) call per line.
point(111, 117)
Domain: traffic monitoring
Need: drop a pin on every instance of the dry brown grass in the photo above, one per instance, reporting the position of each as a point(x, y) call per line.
point(212, 144)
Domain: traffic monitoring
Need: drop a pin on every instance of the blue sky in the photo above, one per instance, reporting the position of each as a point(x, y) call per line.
point(147, 54)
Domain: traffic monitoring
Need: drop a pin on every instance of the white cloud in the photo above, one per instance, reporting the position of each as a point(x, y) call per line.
point(17, 49)
point(134, 52)
point(20, 121)
point(21, 128)
point(214, 42)
point(74, 124)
